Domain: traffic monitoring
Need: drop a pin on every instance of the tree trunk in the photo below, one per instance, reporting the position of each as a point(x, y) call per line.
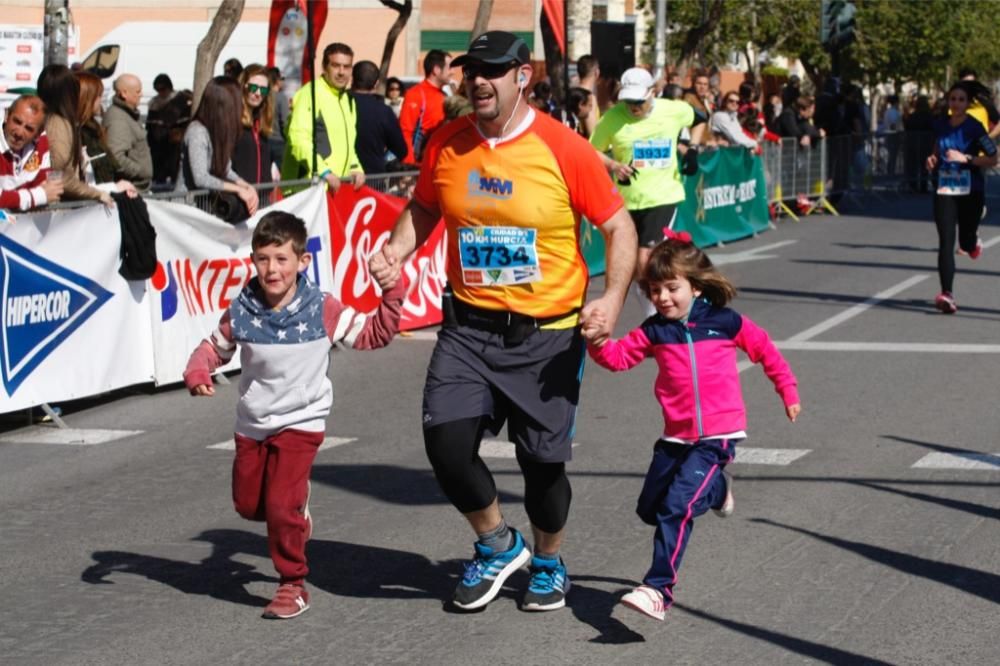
point(482, 18)
point(404, 8)
point(211, 46)
point(695, 36)
point(553, 61)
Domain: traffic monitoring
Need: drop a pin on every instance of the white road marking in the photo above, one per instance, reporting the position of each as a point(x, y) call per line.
point(854, 311)
point(965, 461)
point(720, 259)
point(746, 455)
point(66, 436)
point(499, 448)
point(328, 443)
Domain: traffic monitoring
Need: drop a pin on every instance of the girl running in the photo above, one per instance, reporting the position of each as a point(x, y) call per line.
point(962, 149)
point(693, 337)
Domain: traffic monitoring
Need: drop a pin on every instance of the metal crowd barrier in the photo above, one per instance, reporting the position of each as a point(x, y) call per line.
point(796, 177)
point(399, 183)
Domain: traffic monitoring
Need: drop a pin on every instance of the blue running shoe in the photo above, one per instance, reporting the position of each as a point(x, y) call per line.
point(547, 586)
point(485, 575)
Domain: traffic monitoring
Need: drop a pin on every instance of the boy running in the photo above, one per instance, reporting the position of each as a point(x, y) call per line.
point(285, 327)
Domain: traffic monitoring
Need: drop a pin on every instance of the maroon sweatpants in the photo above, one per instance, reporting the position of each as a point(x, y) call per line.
point(269, 484)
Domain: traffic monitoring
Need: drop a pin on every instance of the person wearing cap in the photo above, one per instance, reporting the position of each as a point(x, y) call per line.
point(641, 132)
point(511, 184)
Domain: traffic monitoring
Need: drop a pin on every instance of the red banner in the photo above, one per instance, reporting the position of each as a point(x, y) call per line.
point(360, 224)
point(554, 12)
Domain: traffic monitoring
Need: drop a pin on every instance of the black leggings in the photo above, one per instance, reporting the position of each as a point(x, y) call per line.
point(949, 211)
point(453, 450)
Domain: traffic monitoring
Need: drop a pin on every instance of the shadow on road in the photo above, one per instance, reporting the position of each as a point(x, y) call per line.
point(390, 483)
point(217, 576)
point(813, 650)
point(593, 606)
point(982, 584)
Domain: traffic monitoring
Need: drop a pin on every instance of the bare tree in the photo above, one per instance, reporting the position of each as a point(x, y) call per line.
point(482, 18)
point(404, 8)
point(211, 46)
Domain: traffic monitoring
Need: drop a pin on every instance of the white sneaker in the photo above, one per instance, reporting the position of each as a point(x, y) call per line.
point(728, 504)
point(647, 601)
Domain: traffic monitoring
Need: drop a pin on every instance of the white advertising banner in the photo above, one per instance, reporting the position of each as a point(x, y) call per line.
point(22, 54)
point(203, 263)
point(70, 325)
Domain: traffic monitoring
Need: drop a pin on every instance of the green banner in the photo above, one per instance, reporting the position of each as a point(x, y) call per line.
point(726, 200)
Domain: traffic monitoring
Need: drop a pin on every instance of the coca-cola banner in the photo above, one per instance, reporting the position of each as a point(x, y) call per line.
point(360, 224)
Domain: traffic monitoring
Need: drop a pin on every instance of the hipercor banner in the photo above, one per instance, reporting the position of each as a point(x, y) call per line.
point(203, 263)
point(70, 325)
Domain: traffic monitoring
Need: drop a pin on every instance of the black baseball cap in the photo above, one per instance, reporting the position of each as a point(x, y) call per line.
point(495, 47)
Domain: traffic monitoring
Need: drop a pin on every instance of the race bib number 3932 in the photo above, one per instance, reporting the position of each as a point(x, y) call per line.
point(653, 154)
point(498, 256)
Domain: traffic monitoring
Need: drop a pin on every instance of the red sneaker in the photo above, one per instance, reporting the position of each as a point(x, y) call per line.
point(978, 251)
point(945, 302)
point(288, 602)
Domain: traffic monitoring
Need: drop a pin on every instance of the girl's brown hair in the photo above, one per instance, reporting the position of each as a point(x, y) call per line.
point(679, 258)
point(265, 112)
point(219, 111)
point(91, 89)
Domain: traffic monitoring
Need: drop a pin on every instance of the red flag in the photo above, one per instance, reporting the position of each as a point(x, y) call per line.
point(286, 39)
point(555, 13)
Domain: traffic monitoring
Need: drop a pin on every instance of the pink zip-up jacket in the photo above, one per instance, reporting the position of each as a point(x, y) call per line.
point(698, 385)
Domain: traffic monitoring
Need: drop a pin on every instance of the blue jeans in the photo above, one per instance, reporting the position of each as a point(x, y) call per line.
point(683, 482)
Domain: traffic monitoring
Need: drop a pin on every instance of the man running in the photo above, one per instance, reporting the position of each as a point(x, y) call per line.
point(511, 184)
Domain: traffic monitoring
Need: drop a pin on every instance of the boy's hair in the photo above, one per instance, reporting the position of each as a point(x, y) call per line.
point(672, 259)
point(277, 228)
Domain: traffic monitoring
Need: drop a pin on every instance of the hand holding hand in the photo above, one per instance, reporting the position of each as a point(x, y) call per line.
point(792, 411)
point(599, 317)
point(385, 266)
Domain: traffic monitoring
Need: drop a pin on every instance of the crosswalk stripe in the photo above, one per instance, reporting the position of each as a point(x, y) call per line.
point(66, 436)
point(757, 456)
point(963, 460)
point(328, 443)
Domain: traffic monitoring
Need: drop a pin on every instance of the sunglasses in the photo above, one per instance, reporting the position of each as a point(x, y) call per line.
point(487, 70)
point(254, 88)
point(732, 101)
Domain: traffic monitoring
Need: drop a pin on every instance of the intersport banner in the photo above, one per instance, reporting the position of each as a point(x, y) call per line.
point(727, 198)
point(203, 263)
point(70, 325)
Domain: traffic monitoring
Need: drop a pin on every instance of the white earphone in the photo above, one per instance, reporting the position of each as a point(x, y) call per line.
point(523, 80)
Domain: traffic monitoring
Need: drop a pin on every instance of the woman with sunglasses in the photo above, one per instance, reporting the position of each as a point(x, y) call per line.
point(726, 123)
point(394, 94)
point(252, 154)
point(962, 149)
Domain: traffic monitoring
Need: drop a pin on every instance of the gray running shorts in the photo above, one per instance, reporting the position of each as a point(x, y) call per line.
point(534, 386)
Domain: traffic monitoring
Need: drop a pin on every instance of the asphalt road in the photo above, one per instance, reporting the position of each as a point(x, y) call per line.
point(864, 533)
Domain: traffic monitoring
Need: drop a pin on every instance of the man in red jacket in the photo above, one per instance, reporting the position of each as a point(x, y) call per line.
point(423, 104)
point(24, 157)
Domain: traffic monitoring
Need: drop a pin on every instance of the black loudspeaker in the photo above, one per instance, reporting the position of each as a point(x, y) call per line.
point(613, 44)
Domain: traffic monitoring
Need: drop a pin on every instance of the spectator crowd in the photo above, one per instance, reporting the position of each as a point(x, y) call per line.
point(66, 143)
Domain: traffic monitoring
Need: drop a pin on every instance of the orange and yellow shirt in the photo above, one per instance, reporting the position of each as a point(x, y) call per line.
point(512, 213)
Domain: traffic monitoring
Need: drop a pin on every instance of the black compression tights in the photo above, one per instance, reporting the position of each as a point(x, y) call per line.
point(951, 211)
point(453, 451)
